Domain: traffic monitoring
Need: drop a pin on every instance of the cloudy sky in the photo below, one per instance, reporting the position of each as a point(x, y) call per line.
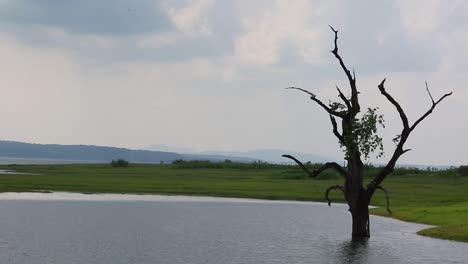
point(210, 75)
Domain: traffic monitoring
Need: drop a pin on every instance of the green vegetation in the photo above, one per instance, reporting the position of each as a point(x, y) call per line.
point(463, 170)
point(426, 196)
point(120, 163)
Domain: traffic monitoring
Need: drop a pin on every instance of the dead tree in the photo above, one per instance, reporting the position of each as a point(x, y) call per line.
point(358, 137)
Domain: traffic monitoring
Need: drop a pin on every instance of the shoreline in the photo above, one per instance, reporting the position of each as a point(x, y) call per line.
point(46, 195)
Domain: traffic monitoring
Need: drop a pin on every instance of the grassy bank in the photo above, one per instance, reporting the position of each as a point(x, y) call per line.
point(437, 198)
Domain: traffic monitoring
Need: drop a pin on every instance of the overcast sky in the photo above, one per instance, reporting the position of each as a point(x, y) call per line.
point(210, 75)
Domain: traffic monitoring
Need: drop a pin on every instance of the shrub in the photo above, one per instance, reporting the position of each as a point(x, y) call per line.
point(463, 170)
point(120, 163)
point(226, 164)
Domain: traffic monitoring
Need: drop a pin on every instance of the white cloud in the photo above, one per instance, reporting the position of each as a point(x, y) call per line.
point(452, 46)
point(191, 18)
point(83, 40)
point(283, 23)
point(421, 19)
point(440, 25)
point(156, 40)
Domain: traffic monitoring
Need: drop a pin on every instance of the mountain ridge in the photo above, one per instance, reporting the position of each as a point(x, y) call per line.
point(268, 155)
point(93, 153)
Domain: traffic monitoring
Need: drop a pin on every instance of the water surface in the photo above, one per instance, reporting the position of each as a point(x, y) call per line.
point(29, 161)
point(74, 228)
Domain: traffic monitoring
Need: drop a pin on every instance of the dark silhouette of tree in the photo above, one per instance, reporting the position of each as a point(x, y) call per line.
point(120, 163)
point(358, 137)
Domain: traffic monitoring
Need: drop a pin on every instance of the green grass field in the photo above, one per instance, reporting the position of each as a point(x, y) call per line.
point(437, 198)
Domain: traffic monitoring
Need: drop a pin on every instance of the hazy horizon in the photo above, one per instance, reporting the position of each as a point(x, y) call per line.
point(210, 75)
point(267, 155)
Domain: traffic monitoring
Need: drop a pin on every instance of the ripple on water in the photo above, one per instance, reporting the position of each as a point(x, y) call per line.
point(77, 228)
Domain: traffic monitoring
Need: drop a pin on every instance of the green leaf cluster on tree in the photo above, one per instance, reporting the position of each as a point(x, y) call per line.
point(365, 134)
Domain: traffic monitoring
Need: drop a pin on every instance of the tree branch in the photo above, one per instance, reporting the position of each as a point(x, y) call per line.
point(403, 117)
point(406, 150)
point(313, 174)
point(343, 97)
point(429, 92)
point(351, 79)
point(334, 187)
point(399, 148)
point(335, 52)
point(304, 168)
point(330, 165)
point(434, 104)
point(313, 97)
point(386, 197)
point(373, 185)
point(335, 130)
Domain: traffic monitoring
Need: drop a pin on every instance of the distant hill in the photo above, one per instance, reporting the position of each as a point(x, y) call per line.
point(269, 155)
point(89, 153)
point(190, 154)
point(220, 157)
point(166, 148)
point(275, 155)
point(82, 153)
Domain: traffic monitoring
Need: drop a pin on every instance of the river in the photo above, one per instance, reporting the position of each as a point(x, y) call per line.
point(76, 228)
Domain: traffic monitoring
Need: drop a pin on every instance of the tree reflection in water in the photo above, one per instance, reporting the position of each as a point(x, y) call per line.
point(354, 251)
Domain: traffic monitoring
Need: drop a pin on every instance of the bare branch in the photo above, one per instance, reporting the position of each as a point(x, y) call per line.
point(328, 109)
point(330, 165)
point(386, 197)
point(335, 129)
point(430, 95)
point(334, 187)
point(335, 49)
point(372, 186)
point(303, 90)
point(352, 81)
point(343, 97)
point(442, 98)
point(434, 104)
point(404, 151)
point(304, 168)
point(403, 117)
point(313, 174)
point(313, 97)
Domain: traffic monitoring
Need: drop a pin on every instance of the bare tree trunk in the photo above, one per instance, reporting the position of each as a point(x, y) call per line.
point(357, 197)
point(360, 215)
